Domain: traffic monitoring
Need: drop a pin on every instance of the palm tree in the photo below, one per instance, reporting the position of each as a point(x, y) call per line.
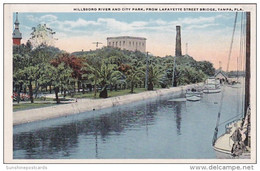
point(154, 77)
point(102, 73)
point(134, 77)
point(61, 78)
point(135, 74)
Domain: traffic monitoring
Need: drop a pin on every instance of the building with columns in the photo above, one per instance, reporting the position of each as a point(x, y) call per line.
point(128, 43)
point(17, 35)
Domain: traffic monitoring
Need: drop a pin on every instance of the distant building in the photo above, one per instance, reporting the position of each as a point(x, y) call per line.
point(220, 75)
point(128, 43)
point(17, 35)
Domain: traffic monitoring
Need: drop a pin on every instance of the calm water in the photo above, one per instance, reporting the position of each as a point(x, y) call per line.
point(157, 129)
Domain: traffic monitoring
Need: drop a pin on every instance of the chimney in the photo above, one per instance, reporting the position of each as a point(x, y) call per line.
point(178, 41)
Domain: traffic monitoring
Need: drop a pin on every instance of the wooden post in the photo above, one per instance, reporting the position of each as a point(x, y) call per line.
point(247, 79)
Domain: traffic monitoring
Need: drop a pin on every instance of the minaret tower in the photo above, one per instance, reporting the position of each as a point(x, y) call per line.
point(17, 35)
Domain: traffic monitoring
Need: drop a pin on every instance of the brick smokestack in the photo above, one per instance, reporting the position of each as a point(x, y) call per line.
point(178, 41)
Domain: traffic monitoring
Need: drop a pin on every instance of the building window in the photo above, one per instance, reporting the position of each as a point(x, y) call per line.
point(136, 43)
point(116, 44)
point(123, 42)
point(113, 44)
point(129, 43)
point(143, 44)
point(139, 43)
point(109, 43)
point(120, 43)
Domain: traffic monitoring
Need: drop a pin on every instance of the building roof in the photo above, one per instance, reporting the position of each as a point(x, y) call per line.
point(220, 72)
point(126, 37)
point(17, 34)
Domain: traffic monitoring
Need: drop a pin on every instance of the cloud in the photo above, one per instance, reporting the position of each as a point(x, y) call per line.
point(31, 18)
point(78, 23)
point(44, 18)
point(48, 18)
point(198, 20)
point(201, 26)
point(114, 26)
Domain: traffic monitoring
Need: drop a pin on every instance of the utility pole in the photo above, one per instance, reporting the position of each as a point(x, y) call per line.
point(186, 48)
point(147, 70)
point(220, 65)
point(173, 71)
point(97, 43)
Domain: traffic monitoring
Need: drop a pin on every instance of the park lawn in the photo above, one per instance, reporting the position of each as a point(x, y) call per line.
point(25, 106)
point(110, 93)
point(49, 101)
point(124, 92)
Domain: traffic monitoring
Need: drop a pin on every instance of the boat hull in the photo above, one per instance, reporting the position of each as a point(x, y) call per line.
point(193, 98)
point(236, 86)
point(208, 91)
point(222, 154)
point(223, 145)
point(193, 94)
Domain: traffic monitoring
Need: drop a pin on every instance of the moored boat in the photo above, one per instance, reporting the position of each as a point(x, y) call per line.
point(193, 98)
point(194, 92)
point(212, 86)
point(235, 142)
point(213, 90)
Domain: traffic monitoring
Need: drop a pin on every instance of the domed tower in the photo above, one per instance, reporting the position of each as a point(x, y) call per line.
point(17, 35)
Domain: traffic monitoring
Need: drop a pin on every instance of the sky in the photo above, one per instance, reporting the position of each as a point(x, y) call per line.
point(205, 35)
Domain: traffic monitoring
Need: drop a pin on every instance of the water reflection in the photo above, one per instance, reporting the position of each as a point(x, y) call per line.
point(63, 139)
point(155, 129)
point(178, 108)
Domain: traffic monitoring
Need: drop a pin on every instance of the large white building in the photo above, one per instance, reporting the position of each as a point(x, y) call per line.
point(128, 43)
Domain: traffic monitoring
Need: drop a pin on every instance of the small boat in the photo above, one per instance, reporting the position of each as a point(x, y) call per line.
point(212, 86)
point(218, 90)
point(193, 98)
point(194, 92)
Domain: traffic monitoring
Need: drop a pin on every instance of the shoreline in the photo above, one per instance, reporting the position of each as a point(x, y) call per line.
point(84, 105)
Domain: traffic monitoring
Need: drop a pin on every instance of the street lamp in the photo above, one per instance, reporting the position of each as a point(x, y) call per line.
point(147, 70)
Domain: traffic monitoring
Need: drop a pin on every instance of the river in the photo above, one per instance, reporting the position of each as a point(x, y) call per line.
point(158, 128)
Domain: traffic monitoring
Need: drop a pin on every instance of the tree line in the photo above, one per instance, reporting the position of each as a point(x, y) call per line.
point(39, 66)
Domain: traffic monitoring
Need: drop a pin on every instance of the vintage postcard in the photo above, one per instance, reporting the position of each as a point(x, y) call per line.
point(130, 83)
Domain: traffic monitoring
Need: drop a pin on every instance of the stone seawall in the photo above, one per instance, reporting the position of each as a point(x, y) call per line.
point(84, 105)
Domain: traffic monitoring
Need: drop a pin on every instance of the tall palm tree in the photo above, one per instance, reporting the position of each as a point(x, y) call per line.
point(154, 77)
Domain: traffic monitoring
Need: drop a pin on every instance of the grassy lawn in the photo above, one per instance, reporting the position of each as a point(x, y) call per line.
point(42, 99)
point(39, 103)
point(25, 106)
point(110, 93)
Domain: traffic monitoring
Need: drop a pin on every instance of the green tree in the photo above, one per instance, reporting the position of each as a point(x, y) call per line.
point(42, 35)
point(186, 75)
point(29, 60)
point(61, 78)
point(134, 75)
point(154, 77)
point(93, 67)
point(206, 67)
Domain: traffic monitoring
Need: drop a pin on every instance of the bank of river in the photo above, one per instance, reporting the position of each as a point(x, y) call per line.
point(156, 128)
point(84, 105)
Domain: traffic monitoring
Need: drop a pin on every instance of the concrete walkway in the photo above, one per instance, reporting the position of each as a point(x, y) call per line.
point(83, 105)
